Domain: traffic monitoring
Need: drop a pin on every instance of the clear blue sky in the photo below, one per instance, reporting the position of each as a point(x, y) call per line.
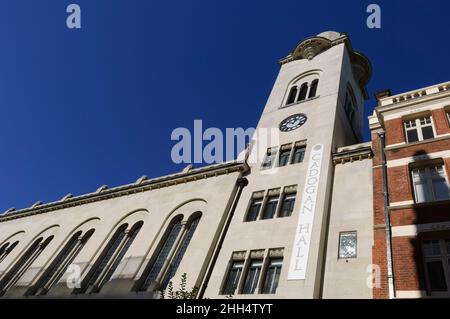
point(82, 108)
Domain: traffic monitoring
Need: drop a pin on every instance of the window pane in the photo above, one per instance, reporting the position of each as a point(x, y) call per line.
point(313, 90)
point(268, 160)
point(440, 189)
point(162, 255)
point(180, 253)
point(272, 276)
point(436, 276)
point(271, 207)
point(423, 193)
point(288, 205)
point(431, 248)
point(292, 95)
point(303, 92)
point(233, 278)
point(253, 212)
point(299, 155)
point(347, 245)
point(284, 158)
point(412, 136)
point(427, 132)
point(251, 280)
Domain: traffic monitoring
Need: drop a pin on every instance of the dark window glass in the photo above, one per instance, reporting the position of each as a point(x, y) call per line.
point(233, 278)
point(6, 249)
point(162, 255)
point(412, 136)
point(427, 132)
point(288, 205)
point(180, 253)
point(253, 211)
point(105, 258)
point(251, 280)
point(272, 276)
point(284, 158)
point(270, 208)
point(268, 160)
point(292, 95)
point(436, 276)
point(313, 90)
point(299, 155)
point(303, 92)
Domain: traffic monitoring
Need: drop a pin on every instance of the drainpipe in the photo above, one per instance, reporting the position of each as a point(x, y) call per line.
point(241, 183)
point(387, 218)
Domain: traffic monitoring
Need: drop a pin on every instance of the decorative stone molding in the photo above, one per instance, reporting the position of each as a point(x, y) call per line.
point(352, 155)
point(290, 189)
point(276, 252)
point(273, 192)
point(257, 254)
point(258, 195)
point(239, 255)
point(148, 185)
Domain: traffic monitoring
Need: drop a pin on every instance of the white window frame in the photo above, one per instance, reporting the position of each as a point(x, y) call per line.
point(416, 124)
point(427, 177)
point(448, 116)
point(444, 258)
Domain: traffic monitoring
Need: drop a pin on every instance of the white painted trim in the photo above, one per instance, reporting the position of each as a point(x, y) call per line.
point(396, 144)
point(406, 160)
point(413, 230)
point(406, 202)
point(411, 294)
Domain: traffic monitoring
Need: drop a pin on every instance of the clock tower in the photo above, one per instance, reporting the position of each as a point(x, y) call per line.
point(281, 221)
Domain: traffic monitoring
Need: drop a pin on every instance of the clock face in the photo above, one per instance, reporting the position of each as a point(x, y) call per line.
point(292, 122)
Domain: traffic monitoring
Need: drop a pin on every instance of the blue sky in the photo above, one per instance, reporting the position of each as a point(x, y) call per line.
point(83, 108)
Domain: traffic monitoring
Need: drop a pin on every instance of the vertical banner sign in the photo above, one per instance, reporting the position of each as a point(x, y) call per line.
point(300, 249)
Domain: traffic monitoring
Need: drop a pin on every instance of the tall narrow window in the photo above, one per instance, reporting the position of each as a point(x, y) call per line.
point(313, 89)
point(270, 207)
point(292, 95)
point(234, 274)
point(419, 129)
point(283, 159)
point(253, 210)
point(6, 249)
point(299, 154)
point(59, 266)
point(287, 207)
point(173, 267)
point(430, 184)
point(347, 245)
point(252, 277)
point(111, 258)
point(24, 263)
point(448, 117)
point(272, 276)
point(437, 265)
point(303, 92)
point(162, 255)
point(269, 159)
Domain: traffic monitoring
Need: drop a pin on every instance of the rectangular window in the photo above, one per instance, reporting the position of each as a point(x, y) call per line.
point(299, 154)
point(233, 277)
point(430, 184)
point(347, 245)
point(283, 159)
point(270, 207)
point(419, 129)
point(287, 206)
point(253, 210)
point(269, 159)
point(272, 276)
point(437, 265)
point(252, 277)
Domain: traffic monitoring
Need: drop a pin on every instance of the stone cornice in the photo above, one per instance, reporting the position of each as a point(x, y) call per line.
point(142, 185)
point(352, 155)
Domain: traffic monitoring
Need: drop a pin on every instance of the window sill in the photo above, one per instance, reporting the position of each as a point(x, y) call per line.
point(299, 102)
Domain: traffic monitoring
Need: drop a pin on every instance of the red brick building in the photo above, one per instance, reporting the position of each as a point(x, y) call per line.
point(411, 168)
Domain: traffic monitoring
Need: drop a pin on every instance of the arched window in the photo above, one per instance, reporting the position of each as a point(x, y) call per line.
point(24, 263)
point(173, 267)
point(110, 258)
point(163, 254)
point(292, 95)
point(313, 89)
point(303, 92)
point(6, 249)
point(168, 259)
point(59, 266)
